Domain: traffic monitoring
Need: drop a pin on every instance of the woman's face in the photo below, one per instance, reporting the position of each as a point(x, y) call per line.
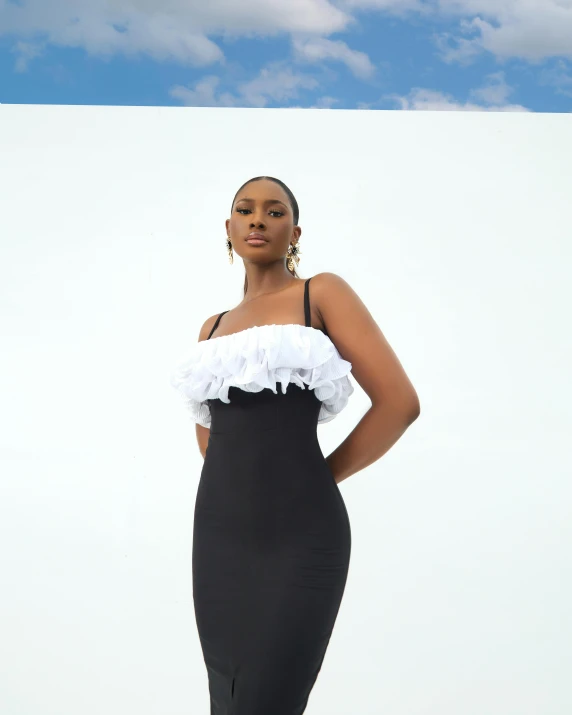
point(262, 207)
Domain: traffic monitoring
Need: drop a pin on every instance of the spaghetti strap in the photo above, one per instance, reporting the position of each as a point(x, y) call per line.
point(307, 313)
point(216, 324)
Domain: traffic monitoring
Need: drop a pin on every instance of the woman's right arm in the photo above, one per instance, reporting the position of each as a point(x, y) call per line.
point(204, 432)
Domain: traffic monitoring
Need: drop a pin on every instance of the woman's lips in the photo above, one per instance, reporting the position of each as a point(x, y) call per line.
point(256, 239)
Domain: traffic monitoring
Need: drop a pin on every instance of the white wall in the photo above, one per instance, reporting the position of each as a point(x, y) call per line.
point(454, 228)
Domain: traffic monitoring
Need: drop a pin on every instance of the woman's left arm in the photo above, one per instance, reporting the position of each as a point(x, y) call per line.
point(375, 367)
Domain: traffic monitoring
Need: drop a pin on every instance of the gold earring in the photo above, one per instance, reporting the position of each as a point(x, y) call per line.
point(229, 248)
point(294, 256)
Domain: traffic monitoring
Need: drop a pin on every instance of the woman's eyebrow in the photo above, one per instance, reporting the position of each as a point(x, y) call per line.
point(268, 201)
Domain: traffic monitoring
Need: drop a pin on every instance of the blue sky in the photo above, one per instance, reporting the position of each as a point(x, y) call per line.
point(490, 55)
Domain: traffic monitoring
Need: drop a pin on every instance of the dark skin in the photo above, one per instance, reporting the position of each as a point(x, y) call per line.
point(263, 206)
point(275, 296)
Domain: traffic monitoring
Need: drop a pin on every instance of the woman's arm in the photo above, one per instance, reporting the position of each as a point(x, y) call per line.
point(376, 368)
point(203, 433)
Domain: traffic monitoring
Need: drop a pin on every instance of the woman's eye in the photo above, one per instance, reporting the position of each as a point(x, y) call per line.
point(274, 211)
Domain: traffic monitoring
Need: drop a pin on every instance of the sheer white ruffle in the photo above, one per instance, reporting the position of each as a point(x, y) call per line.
point(264, 356)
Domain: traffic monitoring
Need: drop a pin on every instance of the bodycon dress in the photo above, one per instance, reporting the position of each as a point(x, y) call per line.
point(271, 535)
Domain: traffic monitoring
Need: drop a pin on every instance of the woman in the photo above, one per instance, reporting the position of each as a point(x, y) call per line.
point(271, 539)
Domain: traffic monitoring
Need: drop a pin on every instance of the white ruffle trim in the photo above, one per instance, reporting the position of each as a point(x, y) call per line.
point(263, 357)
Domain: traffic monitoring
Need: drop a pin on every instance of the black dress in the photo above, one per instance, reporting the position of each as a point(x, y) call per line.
point(271, 538)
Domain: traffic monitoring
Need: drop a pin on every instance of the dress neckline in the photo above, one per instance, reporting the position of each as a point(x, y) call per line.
point(307, 324)
point(267, 325)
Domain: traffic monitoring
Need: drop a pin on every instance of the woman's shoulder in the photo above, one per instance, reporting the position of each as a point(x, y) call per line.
point(208, 325)
point(328, 285)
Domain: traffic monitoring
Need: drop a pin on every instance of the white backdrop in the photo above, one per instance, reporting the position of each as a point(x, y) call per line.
point(454, 229)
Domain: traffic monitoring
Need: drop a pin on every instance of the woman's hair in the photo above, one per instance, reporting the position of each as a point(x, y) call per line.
point(293, 204)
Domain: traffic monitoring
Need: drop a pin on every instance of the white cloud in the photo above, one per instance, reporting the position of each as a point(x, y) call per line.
point(204, 94)
point(396, 7)
point(429, 100)
point(276, 82)
point(530, 29)
point(102, 30)
point(325, 103)
point(164, 29)
point(25, 52)
point(492, 96)
point(559, 77)
point(319, 48)
point(495, 92)
point(183, 30)
point(454, 48)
